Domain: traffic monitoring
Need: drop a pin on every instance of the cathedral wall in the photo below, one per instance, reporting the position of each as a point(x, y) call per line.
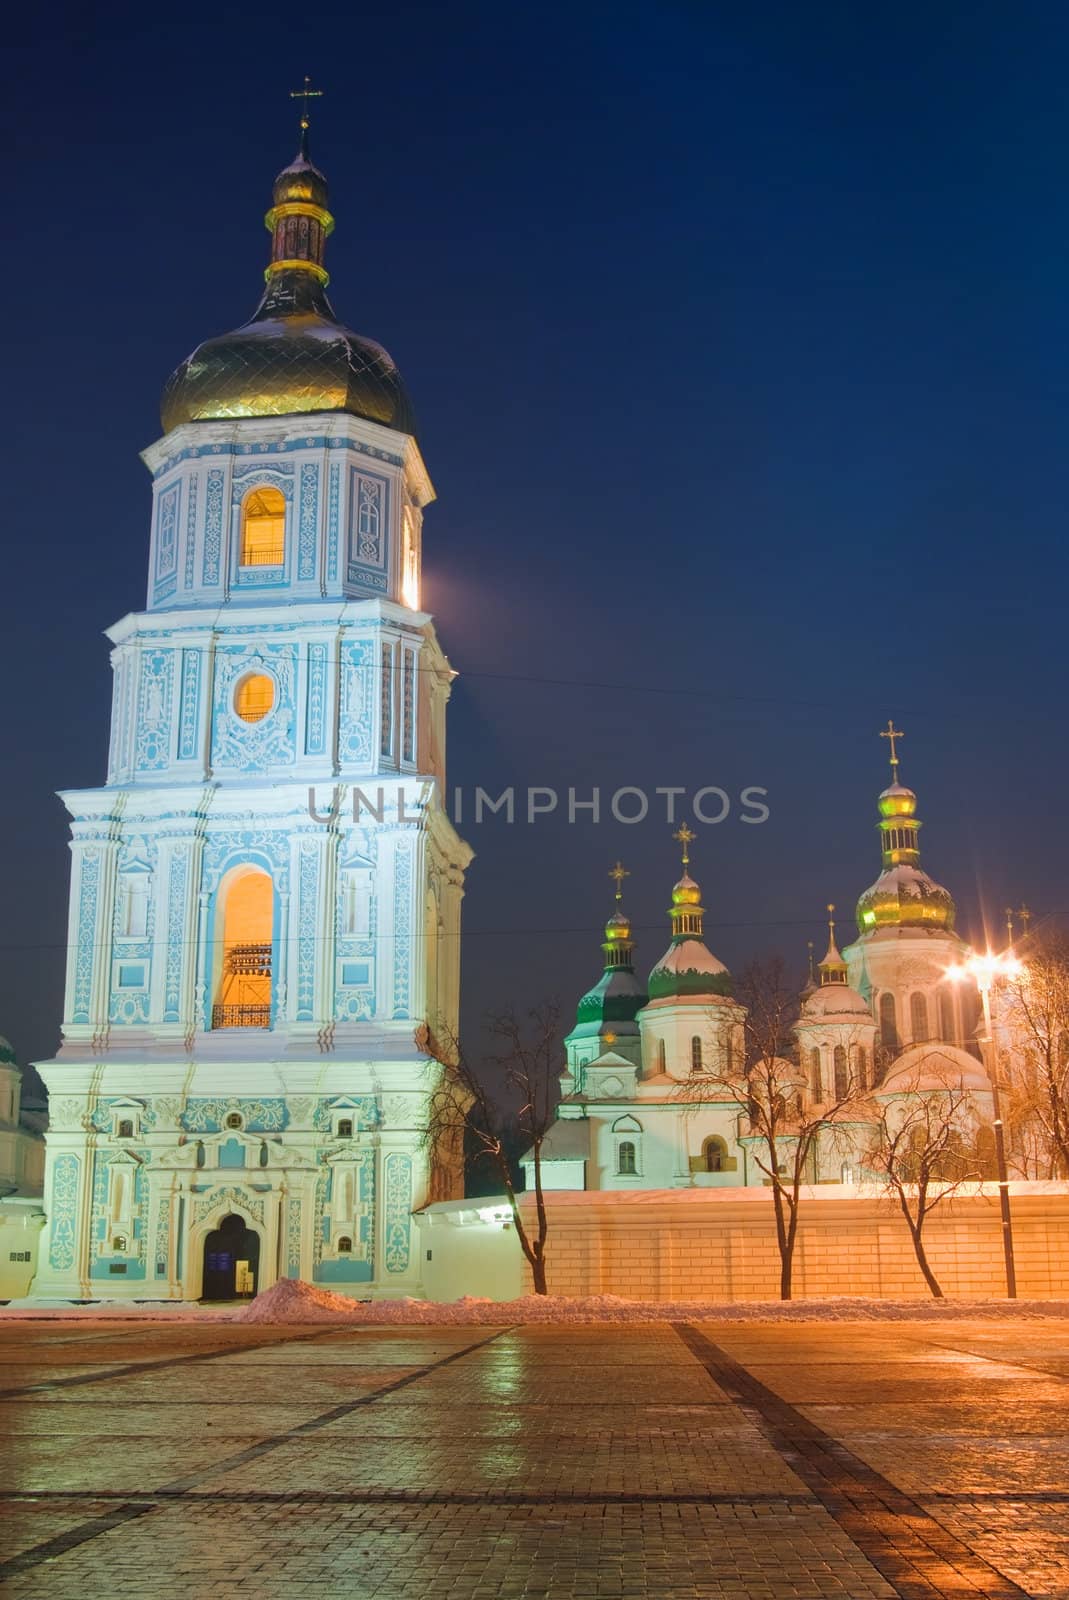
point(721, 1245)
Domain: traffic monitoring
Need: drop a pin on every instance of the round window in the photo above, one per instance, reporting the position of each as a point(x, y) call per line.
point(234, 1119)
point(255, 696)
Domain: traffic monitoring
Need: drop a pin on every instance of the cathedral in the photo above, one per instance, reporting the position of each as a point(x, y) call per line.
point(265, 893)
point(645, 1098)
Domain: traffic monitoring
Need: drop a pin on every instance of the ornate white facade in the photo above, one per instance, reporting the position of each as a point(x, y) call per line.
point(265, 894)
point(644, 1103)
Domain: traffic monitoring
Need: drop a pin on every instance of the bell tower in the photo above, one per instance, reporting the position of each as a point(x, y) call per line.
point(265, 893)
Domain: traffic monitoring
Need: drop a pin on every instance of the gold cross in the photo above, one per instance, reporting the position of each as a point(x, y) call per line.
point(685, 836)
point(305, 94)
point(1025, 916)
point(893, 733)
point(619, 872)
point(1009, 925)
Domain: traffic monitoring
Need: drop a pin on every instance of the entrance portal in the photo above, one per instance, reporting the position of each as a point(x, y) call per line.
point(231, 1260)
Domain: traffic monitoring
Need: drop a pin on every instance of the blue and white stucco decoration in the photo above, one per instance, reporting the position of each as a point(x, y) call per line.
point(168, 503)
point(402, 926)
point(62, 1212)
point(354, 728)
point(333, 520)
point(315, 710)
point(368, 565)
point(308, 521)
point(154, 706)
point(271, 742)
point(191, 529)
point(307, 923)
point(189, 709)
point(213, 527)
point(85, 950)
point(398, 1210)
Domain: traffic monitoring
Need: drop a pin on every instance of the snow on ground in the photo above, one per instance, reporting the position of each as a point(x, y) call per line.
point(292, 1302)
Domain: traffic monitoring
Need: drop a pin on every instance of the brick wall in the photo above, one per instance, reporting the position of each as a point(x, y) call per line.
point(720, 1244)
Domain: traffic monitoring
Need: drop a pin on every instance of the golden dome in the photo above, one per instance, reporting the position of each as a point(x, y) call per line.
point(906, 897)
point(293, 358)
point(686, 892)
point(618, 928)
point(897, 801)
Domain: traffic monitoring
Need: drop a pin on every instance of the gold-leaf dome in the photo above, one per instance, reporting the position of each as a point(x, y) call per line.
point(293, 358)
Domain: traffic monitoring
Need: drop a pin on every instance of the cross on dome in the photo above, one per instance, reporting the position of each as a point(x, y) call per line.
point(619, 872)
point(892, 733)
point(305, 94)
point(685, 837)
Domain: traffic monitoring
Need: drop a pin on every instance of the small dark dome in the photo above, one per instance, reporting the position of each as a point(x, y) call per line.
point(301, 180)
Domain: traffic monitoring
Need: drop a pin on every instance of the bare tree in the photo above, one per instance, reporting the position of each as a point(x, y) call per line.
point(922, 1158)
point(476, 1103)
point(783, 1127)
point(1034, 1015)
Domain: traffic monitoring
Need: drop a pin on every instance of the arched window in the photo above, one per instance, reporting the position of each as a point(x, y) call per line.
point(918, 1018)
point(125, 1130)
point(888, 1021)
point(243, 997)
point(842, 1077)
point(662, 1055)
point(119, 1244)
point(729, 1055)
point(814, 1076)
point(345, 1128)
point(695, 1054)
point(862, 1067)
point(714, 1153)
point(946, 1016)
point(626, 1162)
point(345, 1245)
point(263, 528)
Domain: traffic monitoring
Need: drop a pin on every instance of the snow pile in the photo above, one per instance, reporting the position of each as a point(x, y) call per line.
point(291, 1301)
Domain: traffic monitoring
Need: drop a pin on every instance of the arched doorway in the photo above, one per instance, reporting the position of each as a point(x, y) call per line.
point(231, 1260)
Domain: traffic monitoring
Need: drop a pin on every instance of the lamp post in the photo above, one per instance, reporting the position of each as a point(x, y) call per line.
point(984, 970)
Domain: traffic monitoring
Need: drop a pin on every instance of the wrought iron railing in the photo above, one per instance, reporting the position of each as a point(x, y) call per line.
point(241, 1016)
point(249, 961)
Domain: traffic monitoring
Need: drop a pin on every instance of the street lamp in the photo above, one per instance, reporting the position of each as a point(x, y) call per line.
point(984, 970)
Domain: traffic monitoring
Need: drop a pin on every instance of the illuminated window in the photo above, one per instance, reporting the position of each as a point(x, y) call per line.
point(345, 1245)
point(263, 528)
point(695, 1054)
point(244, 991)
point(842, 1081)
point(255, 696)
point(946, 1015)
point(626, 1163)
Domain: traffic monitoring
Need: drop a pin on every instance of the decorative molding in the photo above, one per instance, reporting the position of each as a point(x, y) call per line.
point(398, 1210)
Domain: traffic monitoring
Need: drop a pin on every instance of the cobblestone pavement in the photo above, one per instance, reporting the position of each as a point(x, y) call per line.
point(676, 1462)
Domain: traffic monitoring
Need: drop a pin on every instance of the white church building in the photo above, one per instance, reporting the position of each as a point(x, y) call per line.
point(265, 893)
point(647, 1099)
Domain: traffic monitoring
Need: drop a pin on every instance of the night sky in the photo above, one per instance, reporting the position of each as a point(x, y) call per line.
point(738, 336)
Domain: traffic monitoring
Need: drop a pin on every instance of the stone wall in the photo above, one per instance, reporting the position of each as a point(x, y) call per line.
point(721, 1244)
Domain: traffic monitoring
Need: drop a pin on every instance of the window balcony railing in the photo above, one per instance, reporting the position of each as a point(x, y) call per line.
point(249, 961)
point(241, 1016)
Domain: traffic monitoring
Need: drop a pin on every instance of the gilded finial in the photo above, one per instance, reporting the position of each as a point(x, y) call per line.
point(685, 836)
point(831, 920)
point(305, 94)
point(809, 944)
point(892, 733)
point(1009, 925)
point(1025, 916)
point(619, 872)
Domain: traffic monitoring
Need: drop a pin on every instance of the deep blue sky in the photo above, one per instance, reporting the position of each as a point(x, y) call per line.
point(738, 335)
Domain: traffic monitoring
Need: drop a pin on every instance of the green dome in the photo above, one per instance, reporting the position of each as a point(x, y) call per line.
point(616, 997)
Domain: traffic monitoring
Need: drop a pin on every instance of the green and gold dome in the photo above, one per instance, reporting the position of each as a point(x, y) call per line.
point(293, 358)
point(688, 968)
point(611, 1006)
